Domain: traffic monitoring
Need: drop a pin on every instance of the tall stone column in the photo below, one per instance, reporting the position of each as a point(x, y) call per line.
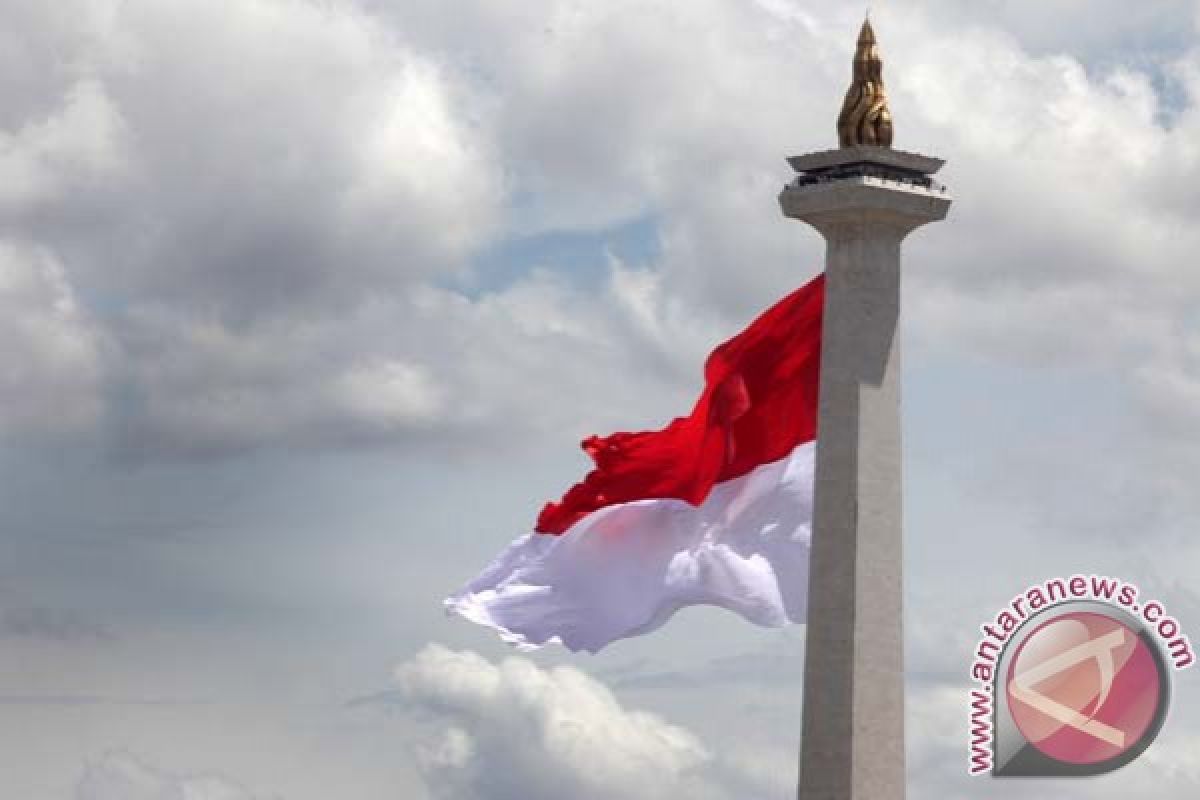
point(864, 199)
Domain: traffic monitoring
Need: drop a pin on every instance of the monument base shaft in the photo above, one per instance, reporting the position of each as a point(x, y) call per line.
point(853, 736)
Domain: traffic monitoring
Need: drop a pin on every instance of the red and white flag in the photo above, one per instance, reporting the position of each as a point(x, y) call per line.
point(716, 508)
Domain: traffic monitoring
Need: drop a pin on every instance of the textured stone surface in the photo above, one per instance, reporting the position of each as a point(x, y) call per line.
point(853, 736)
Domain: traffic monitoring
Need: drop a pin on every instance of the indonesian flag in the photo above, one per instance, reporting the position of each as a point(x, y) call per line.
point(715, 508)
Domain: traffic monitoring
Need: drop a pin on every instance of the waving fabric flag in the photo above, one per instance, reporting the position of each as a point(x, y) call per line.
point(715, 508)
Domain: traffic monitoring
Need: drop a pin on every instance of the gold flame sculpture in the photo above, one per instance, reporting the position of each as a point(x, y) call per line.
point(865, 118)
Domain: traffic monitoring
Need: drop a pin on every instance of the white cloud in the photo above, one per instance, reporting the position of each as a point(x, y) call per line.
point(223, 181)
point(80, 142)
point(121, 776)
point(273, 245)
point(389, 392)
point(541, 356)
point(307, 176)
point(513, 730)
point(286, 153)
point(50, 352)
point(1103, 30)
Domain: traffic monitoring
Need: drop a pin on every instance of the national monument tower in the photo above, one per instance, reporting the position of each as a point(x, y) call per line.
point(864, 198)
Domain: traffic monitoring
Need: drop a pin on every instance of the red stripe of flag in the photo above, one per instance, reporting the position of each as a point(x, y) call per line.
point(759, 403)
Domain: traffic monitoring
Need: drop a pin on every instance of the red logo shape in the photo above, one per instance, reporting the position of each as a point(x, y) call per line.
point(1083, 688)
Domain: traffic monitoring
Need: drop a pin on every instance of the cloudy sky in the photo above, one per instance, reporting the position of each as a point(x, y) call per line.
point(305, 304)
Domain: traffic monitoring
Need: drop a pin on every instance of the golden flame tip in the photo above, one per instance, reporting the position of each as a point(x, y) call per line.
point(865, 117)
point(867, 34)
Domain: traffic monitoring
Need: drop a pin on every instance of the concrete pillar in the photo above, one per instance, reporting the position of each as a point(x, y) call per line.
point(864, 201)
